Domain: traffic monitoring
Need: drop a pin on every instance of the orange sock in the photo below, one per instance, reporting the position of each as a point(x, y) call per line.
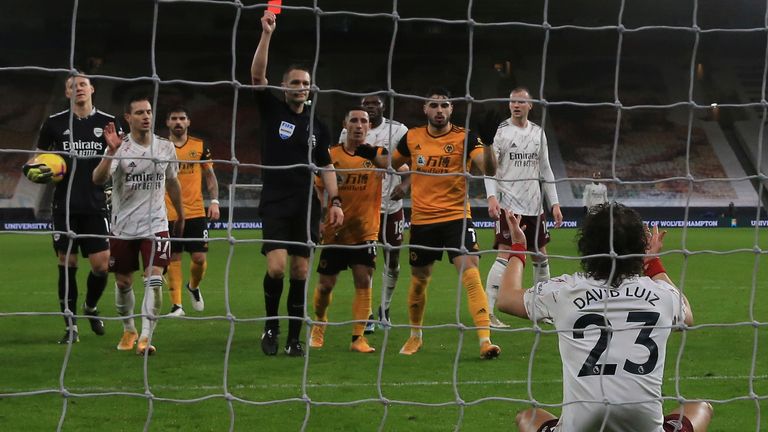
point(361, 310)
point(322, 302)
point(174, 281)
point(417, 301)
point(196, 273)
point(477, 302)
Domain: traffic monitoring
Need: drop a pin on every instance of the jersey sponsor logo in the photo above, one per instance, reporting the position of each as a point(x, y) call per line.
point(98, 132)
point(286, 129)
point(448, 148)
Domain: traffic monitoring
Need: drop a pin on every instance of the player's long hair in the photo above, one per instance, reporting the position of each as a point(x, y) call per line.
point(629, 238)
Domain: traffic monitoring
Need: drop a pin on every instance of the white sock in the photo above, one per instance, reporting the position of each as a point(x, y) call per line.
point(150, 307)
point(541, 271)
point(389, 282)
point(416, 332)
point(125, 302)
point(493, 282)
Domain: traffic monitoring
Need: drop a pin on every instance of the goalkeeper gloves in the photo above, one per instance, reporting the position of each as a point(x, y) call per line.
point(37, 173)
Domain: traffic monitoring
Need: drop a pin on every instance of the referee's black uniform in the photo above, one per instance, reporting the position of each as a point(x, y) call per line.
point(287, 199)
point(87, 205)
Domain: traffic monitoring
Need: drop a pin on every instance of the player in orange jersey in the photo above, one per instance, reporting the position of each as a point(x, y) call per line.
point(441, 216)
point(193, 158)
point(360, 192)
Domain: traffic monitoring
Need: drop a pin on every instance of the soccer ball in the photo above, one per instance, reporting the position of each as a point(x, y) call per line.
point(56, 163)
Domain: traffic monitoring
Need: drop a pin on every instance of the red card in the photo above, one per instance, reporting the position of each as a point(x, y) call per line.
point(274, 6)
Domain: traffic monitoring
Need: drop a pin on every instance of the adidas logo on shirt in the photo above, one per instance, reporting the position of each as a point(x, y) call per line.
point(132, 164)
point(66, 132)
point(514, 145)
point(418, 147)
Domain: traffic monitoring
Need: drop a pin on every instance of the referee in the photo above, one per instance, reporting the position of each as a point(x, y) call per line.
point(81, 209)
point(285, 196)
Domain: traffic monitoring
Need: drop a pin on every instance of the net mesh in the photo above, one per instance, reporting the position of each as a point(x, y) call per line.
point(618, 105)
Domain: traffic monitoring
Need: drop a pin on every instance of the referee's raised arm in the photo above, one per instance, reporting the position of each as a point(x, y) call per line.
point(261, 56)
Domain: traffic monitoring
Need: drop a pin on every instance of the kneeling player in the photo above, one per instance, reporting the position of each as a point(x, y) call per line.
point(613, 322)
point(359, 197)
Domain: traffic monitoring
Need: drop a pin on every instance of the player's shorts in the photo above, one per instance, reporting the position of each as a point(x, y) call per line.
point(195, 228)
point(673, 423)
point(125, 253)
point(503, 236)
point(277, 230)
point(335, 260)
point(391, 231)
point(96, 224)
point(441, 235)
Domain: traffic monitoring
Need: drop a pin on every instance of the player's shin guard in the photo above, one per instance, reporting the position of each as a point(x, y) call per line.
point(97, 283)
point(477, 302)
point(417, 301)
point(295, 307)
point(150, 307)
point(541, 270)
point(493, 282)
point(196, 273)
point(361, 310)
point(389, 282)
point(125, 301)
point(68, 292)
point(273, 290)
point(174, 281)
point(322, 300)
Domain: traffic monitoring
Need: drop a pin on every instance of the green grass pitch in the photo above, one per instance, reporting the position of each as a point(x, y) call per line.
point(209, 373)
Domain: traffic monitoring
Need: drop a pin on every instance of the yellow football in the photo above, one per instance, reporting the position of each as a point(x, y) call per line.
point(56, 163)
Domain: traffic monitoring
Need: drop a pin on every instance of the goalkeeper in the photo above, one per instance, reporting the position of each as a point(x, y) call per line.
point(81, 209)
point(613, 322)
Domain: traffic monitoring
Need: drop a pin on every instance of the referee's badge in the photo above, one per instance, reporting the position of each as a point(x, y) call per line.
point(286, 129)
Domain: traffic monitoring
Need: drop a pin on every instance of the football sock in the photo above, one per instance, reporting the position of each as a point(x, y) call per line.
point(174, 281)
point(153, 300)
point(541, 271)
point(125, 302)
point(196, 274)
point(97, 283)
point(322, 300)
point(389, 282)
point(295, 307)
point(68, 294)
point(477, 302)
point(273, 289)
point(417, 300)
point(493, 282)
point(361, 310)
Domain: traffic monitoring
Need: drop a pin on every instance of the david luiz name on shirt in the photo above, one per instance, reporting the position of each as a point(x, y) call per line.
point(596, 295)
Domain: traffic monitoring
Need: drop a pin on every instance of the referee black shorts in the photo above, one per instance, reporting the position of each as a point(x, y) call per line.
point(277, 231)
